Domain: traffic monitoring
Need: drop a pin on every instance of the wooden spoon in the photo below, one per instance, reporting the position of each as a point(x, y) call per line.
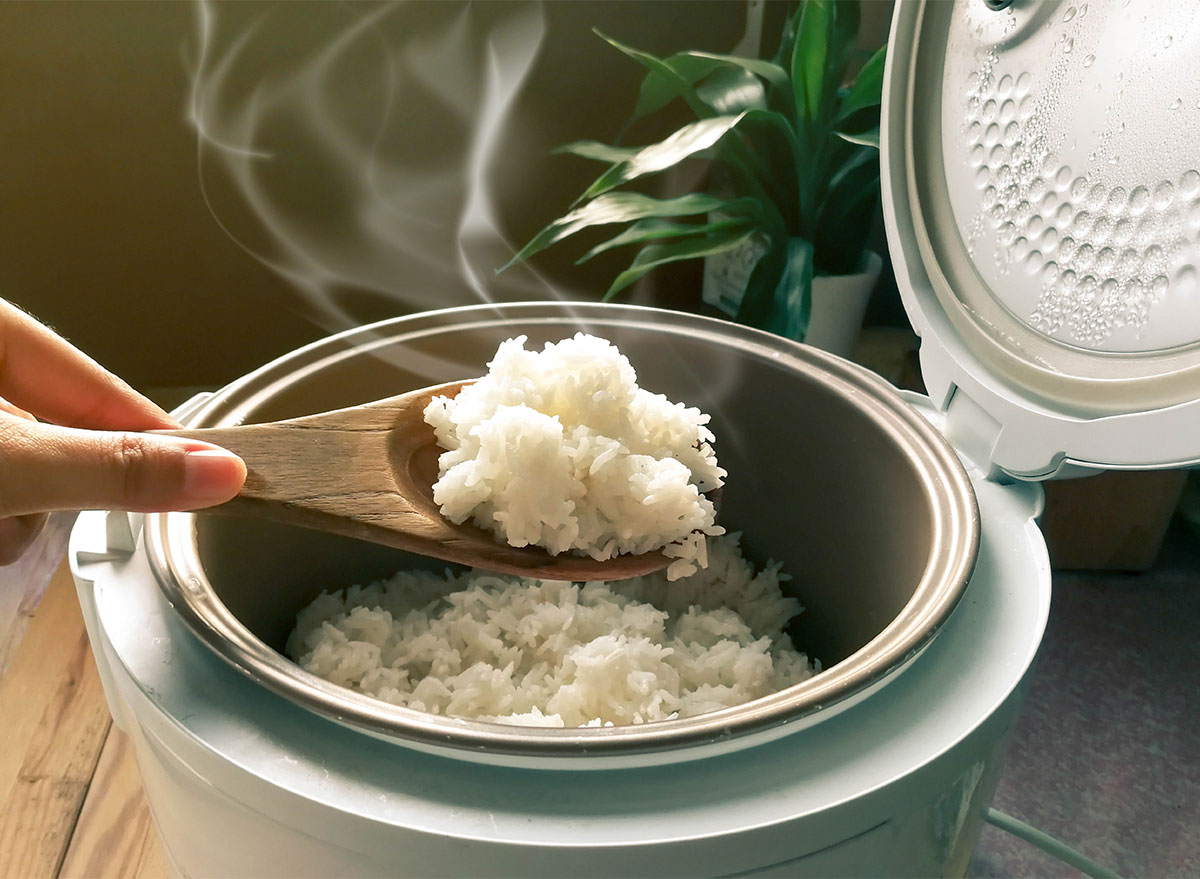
point(368, 472)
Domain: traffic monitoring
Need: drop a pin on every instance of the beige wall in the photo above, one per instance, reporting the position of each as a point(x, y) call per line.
point(104, 232)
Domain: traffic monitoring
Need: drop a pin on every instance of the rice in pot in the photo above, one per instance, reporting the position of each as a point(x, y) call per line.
point(550, 653)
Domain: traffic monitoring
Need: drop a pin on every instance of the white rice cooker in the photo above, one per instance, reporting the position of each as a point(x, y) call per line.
point(1047, 263)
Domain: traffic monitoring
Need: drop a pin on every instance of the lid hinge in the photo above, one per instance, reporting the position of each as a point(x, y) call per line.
point(974, 433)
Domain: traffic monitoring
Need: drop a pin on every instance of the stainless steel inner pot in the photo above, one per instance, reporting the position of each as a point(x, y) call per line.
point(830, 472)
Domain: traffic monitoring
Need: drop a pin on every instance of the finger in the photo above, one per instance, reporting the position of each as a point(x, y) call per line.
point(42, 372)
point(15, 410)
point(17, 533)
point(44, 467)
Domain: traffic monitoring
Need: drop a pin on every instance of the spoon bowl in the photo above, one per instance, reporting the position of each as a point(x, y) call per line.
point(368, 472)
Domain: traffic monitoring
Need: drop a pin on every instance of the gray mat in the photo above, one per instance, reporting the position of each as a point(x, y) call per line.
point(1105, 755)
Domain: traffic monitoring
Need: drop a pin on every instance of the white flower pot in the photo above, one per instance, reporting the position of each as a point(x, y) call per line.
point(838, 305)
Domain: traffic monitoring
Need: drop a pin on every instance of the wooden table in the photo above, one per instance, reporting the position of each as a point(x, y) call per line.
point(72, 798)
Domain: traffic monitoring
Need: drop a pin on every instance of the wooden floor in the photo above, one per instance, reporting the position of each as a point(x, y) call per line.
point(72, 799)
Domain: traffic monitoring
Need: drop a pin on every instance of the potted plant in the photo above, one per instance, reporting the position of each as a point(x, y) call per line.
point(792, 181)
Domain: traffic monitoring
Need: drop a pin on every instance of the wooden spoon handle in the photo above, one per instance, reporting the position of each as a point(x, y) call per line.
point(344, 471)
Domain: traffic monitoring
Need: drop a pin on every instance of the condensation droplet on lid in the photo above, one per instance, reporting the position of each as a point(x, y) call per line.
point(1115, 202)
point(1153, 254)
point(1089, 60)
point(1167, 41)
point(1096, 196)
point(1069, 14)
point(1121, 128)
point(1068, 279)
point(1079, 188)
point(1193, 214)
point(1176, 104)
point(1083, 10)
point(1084, 256)
point(1068, 45)
point(974, 107)
point(1186, 280)
point(1159, 285)
point(1066, 247)
point(1082, 223)
point(1146, 232)
point(1106, 260)
point(1189, 184)
point(1037, 189)
point(1129, 263)
point(1011, 131)
point(1163, 193)
point(1122, 231)
point(1100, 230)
point(1139, 200)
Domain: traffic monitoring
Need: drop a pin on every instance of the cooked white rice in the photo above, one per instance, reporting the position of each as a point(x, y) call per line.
point(550, 653)
point(561, 449)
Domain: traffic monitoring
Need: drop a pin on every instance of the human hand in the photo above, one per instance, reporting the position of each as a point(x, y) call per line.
point(81, 456)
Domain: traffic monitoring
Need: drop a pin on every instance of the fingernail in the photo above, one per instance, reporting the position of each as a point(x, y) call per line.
point(212, 476)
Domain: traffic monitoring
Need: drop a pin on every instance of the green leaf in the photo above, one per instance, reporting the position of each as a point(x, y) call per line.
point(655, 229)
point(625, 207)
point(867, 89)
point(865, 138)
point(792, 304)
point(779, 293)
point(688, 68)
point(668, 83)
point(862, 161)
point(731, 90)
point(808, 57)
point(654, 255)
point(661, 86)
point(685, 142)
point(755, 307)
point(592, 149)
point(772, 73)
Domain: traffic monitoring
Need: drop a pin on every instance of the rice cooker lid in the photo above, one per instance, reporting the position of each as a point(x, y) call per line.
point(1041, 193)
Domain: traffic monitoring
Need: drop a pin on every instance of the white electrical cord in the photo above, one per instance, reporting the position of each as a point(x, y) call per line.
point(1048, 844)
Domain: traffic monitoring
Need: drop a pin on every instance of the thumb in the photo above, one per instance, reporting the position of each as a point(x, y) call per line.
point(44, 467)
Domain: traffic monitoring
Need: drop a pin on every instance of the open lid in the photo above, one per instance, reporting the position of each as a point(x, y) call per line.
point(1042, 201)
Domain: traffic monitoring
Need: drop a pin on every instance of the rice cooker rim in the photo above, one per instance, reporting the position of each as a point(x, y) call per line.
point(170, 540)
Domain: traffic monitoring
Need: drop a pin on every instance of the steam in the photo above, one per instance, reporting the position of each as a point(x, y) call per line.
point(348, 147)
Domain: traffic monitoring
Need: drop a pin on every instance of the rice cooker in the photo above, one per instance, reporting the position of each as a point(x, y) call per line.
point(1045, 253)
